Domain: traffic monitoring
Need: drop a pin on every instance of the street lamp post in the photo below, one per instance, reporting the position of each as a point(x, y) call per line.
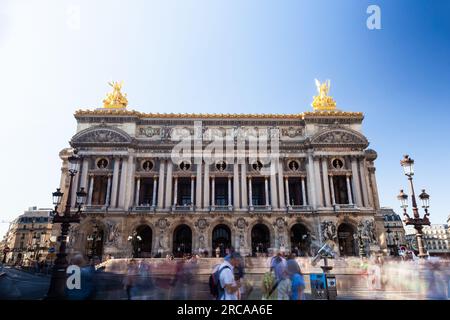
point(58, 280)
point(416, 221)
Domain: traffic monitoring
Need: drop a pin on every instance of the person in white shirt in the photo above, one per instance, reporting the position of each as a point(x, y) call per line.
point(229, 285)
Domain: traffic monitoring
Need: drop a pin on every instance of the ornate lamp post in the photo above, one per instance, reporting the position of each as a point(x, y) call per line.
point(58, 280)
point(407, 163)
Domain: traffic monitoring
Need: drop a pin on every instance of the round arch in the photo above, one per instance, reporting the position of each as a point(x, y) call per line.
point(346, 240)
point(260, 238)
point(145, 232)
point(221, 239)
point(300, 237)
point(182, 240)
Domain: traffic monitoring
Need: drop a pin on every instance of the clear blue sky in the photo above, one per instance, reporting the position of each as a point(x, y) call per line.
point(224, 56)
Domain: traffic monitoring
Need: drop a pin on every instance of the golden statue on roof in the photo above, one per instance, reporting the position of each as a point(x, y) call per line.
point(322, 101)
point(115, 99)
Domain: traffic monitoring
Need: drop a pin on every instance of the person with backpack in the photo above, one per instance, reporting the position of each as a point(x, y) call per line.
point(223, 284)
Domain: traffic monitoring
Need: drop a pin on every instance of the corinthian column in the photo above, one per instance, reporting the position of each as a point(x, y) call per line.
point(356, 188)
point(250, 193)
point(305, 203)
point(325, 182)
point(236, 201)
point(108, 191)
point(266, 190)
point(363, 175)
point(229, 192)
point(91, 189)
point(310, 181)
point(206, 187)
point(244, 195)
point(169, 183)
point(280, 185)
point(273, 184)
point(161, 184)
point(198, 190)
point(115, 183)
point(138, 190)
point(318, 183)
point(349, 191)
point(287, 191)
point(123, 182)
point(155, 184)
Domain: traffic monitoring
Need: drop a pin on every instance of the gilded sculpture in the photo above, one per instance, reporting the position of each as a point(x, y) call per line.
point(115, 99)
point(323, 102)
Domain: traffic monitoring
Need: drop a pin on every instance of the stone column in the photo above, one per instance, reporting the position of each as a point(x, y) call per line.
point(138, 190)
point(318, 183)
point(206, 187)
point(325, 182)
point(376, 199)
point(349, 191)
point(363, 175)
point(108, 192)
point(229, 192)
point(250, 195)
point(286, 188)
point(155, 185)
point(84, 174)
point(266, 190)
point(91, 189)
point(236, 202)
point(115, 183)
point(333, 198)
point(244, 195)
point(198, 190)
point(130, 182)
point(273, 184)
point(74, 190)
point(280, 185)
point(356, 188)
point(162, 165)
point(368, 184)
point(123, 182)
point(310, 180)
point(213, 191)
point(305, 203)
point(169, 179)
point(192, 189)
point(175, 192)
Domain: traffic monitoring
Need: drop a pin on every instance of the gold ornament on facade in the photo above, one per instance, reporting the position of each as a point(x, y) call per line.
point(115, 99)
point(323, 102)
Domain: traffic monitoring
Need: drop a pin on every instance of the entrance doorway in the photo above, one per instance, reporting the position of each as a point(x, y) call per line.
point(260, 239)
point(347, 244)
point(221, 238)
point(182, 241)
point(300, 240)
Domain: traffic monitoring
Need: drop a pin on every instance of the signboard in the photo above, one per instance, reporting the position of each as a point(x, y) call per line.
point(318, 286)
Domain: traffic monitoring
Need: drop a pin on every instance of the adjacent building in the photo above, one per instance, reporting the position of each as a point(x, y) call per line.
point(395, 231)
point(28, 236)
point(197, 183)
point(437, 239)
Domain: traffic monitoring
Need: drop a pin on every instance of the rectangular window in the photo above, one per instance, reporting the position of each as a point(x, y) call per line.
point(100, 189)
point(340, 189)
point(146, 192)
